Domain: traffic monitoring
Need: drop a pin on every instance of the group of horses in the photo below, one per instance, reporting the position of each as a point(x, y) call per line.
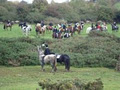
point(102, 27)
point(67, 32)
point(60, 32)
point(53, 59)
point(98, 27)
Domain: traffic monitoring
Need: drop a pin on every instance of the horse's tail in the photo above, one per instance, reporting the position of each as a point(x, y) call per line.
point(4, 26)
point(55, 63)
point(67, 62)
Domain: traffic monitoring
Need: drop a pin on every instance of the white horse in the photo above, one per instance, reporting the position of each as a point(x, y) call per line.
point(104, 28)
point(88, 30)
point(26, 30)
point(48, 58)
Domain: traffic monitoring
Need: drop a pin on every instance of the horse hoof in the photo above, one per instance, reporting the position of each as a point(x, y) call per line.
point(67, 70)
point(43, 70)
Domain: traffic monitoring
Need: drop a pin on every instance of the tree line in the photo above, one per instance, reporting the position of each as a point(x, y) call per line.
point(73, 11)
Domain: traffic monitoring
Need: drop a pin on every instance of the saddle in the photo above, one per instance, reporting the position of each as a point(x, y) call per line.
point(8, 24)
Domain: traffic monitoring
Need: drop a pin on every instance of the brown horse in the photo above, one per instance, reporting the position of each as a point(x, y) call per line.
point(70, 28)
point(8, 25)
point(79, 29)
point(38, 29)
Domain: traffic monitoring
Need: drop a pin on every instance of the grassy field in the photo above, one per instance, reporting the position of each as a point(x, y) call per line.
point(27, 77)
point(17, 32)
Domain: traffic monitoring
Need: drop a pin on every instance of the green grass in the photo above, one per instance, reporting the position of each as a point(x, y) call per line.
point(17, 32)
point(27, 77)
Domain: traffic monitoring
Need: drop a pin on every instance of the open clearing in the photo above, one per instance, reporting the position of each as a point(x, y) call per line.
point(27, 77)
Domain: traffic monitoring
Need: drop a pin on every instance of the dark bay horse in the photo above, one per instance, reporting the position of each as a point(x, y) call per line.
point(6, 25)
point(64, 58)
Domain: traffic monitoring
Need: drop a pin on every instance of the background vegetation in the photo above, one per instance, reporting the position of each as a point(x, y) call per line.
point(97, 49)
point(73, 11)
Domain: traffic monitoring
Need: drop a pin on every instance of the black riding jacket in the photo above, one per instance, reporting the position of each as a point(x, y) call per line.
point(47, 51)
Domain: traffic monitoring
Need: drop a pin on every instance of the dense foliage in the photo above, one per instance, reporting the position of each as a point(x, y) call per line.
point(18, 52)
point(73, 11)
point(98, 49)
point(71, 85)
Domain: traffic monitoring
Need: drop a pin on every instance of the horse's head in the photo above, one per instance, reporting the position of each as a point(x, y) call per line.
point(41, 52)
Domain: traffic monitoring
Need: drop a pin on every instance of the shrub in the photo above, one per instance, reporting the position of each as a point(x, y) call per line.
point(98, 49)
point(71, 85)
point(19, 51)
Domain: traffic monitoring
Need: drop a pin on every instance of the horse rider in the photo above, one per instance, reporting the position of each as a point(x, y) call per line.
point(25, 24)
point(42, 23)
point(75, 26)
point(8, 22)
point(98, 27)
point(44, 45)
point(55, 32)
point(114, 24)
point(64, 27)
point(46, 52)
point(51, 24)
point(82, 24)
point(92, 26)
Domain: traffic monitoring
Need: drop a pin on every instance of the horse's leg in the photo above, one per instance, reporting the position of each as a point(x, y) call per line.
point(53, 64)
point(67, 64)
point(7, 28)
point(26, 33)
point(42, 65)
point(10, 28)
point(44, 32)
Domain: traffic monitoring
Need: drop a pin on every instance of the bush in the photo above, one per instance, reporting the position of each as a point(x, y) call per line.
point(71, 85)
point(19, 51)
point(99, 49)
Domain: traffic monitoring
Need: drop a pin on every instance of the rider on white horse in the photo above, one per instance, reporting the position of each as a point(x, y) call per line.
point(26, 29)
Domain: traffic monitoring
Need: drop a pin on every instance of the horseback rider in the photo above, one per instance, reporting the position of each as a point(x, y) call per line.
point(75, 26)
point(64, 27)
point(114, 24)
point(51, 24)
point(8, 22)
point(55, 32)
point(92, 26)
point(25, 24)
point(42, 23)
point(82, 25)
point(46, 52)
